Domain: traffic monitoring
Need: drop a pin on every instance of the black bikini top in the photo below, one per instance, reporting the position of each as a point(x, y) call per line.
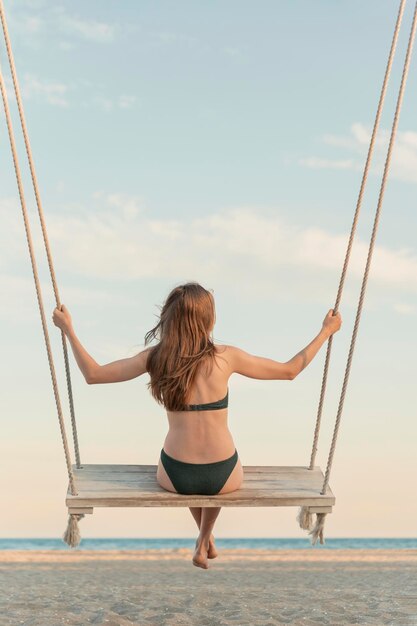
point(210, 406)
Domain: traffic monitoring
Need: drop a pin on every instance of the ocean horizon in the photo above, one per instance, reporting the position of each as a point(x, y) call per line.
point(230, 543)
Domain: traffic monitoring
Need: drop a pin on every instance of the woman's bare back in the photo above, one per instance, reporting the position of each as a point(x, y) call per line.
point(203, 436)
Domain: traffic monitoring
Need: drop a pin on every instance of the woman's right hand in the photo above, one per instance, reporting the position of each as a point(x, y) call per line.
point(332, 323)
point(62, 318)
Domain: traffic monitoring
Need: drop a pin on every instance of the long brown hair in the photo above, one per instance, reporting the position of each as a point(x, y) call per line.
point(183, 331)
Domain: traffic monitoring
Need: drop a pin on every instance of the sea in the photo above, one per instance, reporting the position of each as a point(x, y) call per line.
point(249, 543)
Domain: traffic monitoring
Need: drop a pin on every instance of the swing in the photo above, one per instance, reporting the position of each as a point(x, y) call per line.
point(102, 485)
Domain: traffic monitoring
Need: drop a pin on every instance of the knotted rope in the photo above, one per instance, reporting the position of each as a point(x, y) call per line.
point(304, 517)
point(71, 535)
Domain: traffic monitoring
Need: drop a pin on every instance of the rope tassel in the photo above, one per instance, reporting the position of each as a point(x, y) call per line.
point(305, 520)
point(317, 531)
point(72, 535)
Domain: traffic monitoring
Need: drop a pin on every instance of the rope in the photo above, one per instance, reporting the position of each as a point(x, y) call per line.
point(43, 226)
point(37, 284)
point(354, 224)
point(371, 245)
point(305, 516)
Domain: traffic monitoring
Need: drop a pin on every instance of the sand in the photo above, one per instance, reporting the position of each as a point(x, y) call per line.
point(242, 587)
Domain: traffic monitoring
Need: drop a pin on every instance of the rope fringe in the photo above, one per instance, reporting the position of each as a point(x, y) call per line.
point(305, 520)
point(72, 535)
point(317, 531)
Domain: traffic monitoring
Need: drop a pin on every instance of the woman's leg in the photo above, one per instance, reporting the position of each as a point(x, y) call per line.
point(208, 519)
point(196, 512)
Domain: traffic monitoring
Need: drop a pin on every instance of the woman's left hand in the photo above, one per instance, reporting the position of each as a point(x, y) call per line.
point(62, 318)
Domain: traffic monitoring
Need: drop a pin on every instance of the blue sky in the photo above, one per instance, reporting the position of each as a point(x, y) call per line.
point(225, 143)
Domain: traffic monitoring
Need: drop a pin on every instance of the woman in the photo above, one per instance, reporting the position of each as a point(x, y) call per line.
point(189, 376)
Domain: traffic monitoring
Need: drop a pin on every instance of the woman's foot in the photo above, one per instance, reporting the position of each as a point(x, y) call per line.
point(212, 552)
point(200, 555)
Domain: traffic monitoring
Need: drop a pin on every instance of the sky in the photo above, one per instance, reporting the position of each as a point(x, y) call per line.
point(222, 142)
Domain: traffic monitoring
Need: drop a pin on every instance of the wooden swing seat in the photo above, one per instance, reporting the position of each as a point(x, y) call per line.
point(136, 485)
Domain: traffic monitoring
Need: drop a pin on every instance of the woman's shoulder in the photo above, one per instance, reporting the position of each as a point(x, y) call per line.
point(234, 356)
point(225, 349)
point(226, 353)
point(222, 349)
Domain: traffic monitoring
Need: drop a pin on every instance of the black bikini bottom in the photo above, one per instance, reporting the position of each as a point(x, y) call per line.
point(198, 478)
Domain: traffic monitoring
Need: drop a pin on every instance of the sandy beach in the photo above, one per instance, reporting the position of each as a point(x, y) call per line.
point(241, 587)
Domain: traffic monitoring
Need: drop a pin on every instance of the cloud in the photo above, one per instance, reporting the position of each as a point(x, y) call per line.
point(34, 88)
point(232, 51)
point(33, 4)
point(404, 308)
point(66, 45)
point(92, 30)
point(110, 104)
point(19, 297)
point(26, 20)
point(166, 38)
point(129, 206)
point(35, 25)
point(126, 102)
point(404, 155)
point(106, 104)
point(256, 252)
point(12, 239)
point(57, 93)
point(31, 24)
point(54, 93)
point(318, 163)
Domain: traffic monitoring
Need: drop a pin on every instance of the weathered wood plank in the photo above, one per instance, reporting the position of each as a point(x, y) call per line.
point(151, 468)
point(320, 509)
point(136, 485)
point(195, 501)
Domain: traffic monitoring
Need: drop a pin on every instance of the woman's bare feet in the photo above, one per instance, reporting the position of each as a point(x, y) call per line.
point(200, 555)
point(205, 547)
point(212, 552)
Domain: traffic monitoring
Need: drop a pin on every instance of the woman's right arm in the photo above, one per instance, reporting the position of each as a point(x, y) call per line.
point(242, 362)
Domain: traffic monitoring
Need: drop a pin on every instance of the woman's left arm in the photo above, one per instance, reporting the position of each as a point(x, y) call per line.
point(114, 372)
